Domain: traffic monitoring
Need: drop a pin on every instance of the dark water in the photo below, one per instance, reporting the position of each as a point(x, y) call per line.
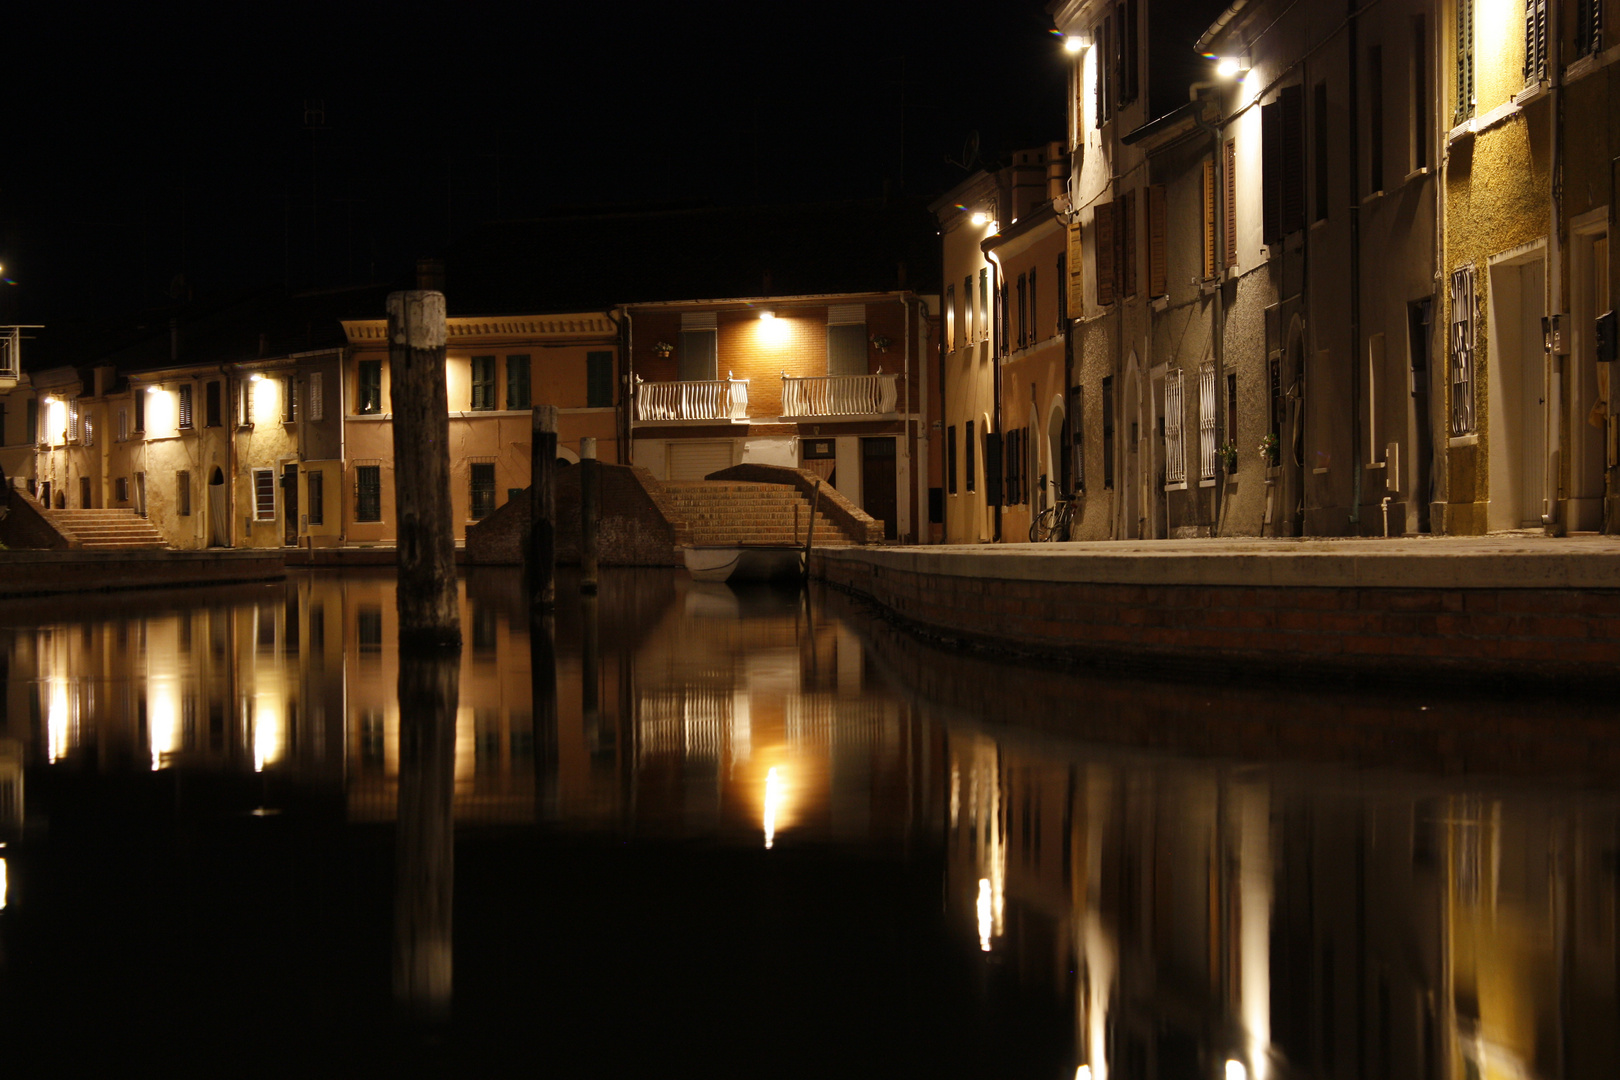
point(753, 833)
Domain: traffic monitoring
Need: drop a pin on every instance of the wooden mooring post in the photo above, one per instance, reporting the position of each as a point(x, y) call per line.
point(540, 553)
point(590, 480)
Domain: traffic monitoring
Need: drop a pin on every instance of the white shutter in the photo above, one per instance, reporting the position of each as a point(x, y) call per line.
point(696, 460)
point(1175, 450)
point(1462, 350)
point(1206, 422)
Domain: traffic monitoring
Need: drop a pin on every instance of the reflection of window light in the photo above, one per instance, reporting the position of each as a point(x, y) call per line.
point(266, 732)
point(985, 915)
point(162, 719)
point(1082, 1072)
point(1235, 1070)
point(773, 801)
point(56, 720)
point(2, 884)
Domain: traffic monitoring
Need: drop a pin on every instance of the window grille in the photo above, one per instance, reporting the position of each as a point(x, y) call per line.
point(1175, 450)
point(482, 489)
point(317, 396)
point(89, 432)
point(368, 493)
point(1462, 350)
point(264, 495)
point(1206, 422)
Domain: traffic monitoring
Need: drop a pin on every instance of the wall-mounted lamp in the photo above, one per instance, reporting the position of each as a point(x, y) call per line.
point(48, 400)
point(767, 314)
point(979, 217)
point(256, 377)
point(154, 389)
point(1228, 67)
point(1073, 43)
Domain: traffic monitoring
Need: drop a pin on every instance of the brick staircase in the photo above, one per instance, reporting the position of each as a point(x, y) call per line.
point(107, 530)
point(723, 512)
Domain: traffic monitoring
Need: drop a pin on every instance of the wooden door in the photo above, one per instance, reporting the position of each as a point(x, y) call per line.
point(289, 505)
point(878, 482)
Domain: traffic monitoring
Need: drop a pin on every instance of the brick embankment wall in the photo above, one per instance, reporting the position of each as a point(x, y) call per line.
point(1152, 618)
point(1252, 719)
point(632, 531)
point(24, 527)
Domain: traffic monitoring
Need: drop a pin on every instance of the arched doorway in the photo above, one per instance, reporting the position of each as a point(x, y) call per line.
point(219, 528)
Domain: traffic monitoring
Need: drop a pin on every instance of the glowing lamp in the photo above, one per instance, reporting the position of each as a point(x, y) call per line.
point(1236, 1070)
point(979, 217)
point(767, 314)
point(256, 377)
point(1073, 43)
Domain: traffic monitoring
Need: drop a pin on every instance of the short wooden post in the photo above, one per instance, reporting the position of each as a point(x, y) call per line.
point(590, 481)
point(428, 611)
point(543, 702)
point(810, 532)
point(541, 554)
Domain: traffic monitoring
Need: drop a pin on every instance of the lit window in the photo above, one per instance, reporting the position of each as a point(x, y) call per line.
point(369, 397)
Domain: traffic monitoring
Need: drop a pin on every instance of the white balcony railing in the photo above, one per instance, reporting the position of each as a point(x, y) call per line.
point(838, 395)
point(711, 399)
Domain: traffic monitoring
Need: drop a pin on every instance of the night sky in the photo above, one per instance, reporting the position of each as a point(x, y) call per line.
point(156, 153)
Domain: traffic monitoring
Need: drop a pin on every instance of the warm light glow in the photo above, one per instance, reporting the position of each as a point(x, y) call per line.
point(267, 731)
point(162, 718)
point(773, 331)
point(153, 389)
point(1235, 1070)
point(2, 884)
point(256, 377)
point(979, 217)
point(767, 314)
point(1082, 1072)
point(773, 803)
point(986, 915)
point(1226, 67)
point(1073, 44)
point(56, 721)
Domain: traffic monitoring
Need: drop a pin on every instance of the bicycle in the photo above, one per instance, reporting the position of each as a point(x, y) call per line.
point(1052, 523)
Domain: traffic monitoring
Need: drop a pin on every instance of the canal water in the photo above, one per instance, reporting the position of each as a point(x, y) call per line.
point(688, 828)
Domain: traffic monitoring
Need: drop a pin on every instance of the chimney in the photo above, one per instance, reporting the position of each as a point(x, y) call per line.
point(1057, 170)
point(174, 340)
point(430, 275)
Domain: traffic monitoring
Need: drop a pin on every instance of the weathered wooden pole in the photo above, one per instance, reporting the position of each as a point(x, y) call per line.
point(543, 701)
point(428, 612)
point(541, 550)
point(590, 479)
point(429, 651)
point(590, 676)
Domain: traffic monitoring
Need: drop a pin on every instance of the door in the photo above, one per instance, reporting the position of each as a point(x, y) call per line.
point(289, 505)
point(1420, 318)
point(218, 527)
point(878, 482)
point(84, 492)
point(1516, 396)
point(695, 460)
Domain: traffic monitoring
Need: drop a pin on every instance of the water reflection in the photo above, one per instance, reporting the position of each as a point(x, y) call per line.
point(1140, 880)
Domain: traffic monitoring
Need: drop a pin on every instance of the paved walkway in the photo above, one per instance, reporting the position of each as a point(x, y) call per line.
point(1507, 560)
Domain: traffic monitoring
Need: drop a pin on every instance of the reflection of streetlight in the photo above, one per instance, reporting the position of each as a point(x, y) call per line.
point(985, 915)
point(773, 802)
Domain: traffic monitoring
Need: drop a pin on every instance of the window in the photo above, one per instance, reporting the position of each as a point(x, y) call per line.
point(1588, 27)
point(1281, 182)
point(1462, 350)
point(983, 323)
point(1232, 412)
point(1158, 243)
point(698, 353)
point(1129, 83)
point(182, 489)
point(1075, 282)
point(1175, 450)
point(1108, 430)
point(482, 487)
point(1107, 250)
point(368, 493)
point(1418, 93)
point(121, 489)
point(1034, 332)
point(1125, 238)
point(483, 383)
point(1103, 36)
point(315, 489)
point(211, 404)
point(89, 432)
point(950, 318)
point(1375, 118)
point(1229, 231)
point(123, 424)
point(185, 408)
point(317, 396)
point(1319, 146)
point(968, 322)
point(31, 417)
point(140, 410)
point(1464, 107)
point(846, 340)
point(71, 434)
point(970, 454)
point(1077, 440)
point(599, 380)
point(950, 460)
point(368, 395)
point(289, 399)
point(1206, 422)
point(1206, 197)
point(1062, 292)
point(1535, 41)
point(517, 381)
point(1023, 302)
point(264, 494)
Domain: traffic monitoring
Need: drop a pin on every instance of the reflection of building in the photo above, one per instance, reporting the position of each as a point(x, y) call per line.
point(1201, 914)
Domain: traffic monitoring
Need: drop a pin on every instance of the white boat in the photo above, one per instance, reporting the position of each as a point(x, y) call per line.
point(745, 562)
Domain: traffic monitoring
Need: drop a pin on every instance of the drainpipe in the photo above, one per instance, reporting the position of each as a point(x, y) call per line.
point(905, 411)
point(622, 332)
point(1218, 311)
point(626, 391)
point(1554, 368)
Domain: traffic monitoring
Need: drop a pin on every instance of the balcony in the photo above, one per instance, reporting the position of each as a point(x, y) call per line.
point(711, 399)
point(838, 395)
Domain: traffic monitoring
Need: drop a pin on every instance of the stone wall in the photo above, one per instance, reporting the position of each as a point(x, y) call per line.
point(633, 529)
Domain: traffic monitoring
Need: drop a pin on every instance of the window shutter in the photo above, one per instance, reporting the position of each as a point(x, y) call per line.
point(1125, 230)
point(1175, 453)
point(1271, 170)
point(1229, 204)
point(317, 397)
point(1105, 252)
point(1077, 278)
point(1158, 253)
point(185, 407)
point(1293, 158)
point(1206, 422)
point(992, 467)
point(1465, 60)
point(1207, 195)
